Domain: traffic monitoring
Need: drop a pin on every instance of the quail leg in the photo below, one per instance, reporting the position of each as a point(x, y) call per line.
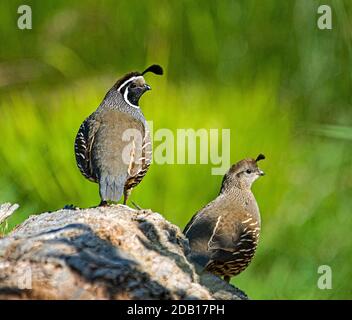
point(126, 194)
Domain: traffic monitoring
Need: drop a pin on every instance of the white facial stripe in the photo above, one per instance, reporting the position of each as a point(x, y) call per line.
point(127, 81)
point(125, 97)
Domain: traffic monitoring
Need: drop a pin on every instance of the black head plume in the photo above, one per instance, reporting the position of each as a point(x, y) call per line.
point(155, 68)
point(260, 157)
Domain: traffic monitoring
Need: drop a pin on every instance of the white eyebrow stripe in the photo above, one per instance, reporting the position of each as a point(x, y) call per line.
point(127, 81)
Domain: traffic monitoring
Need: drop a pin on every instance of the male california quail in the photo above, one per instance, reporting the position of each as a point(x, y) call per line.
point(223, 236)
point(113, 146)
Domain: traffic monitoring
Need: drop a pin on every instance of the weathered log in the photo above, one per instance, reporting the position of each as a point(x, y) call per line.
point(6, 210)
point(102, 253)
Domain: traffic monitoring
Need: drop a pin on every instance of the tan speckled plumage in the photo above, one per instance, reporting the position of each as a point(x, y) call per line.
point(224, 234)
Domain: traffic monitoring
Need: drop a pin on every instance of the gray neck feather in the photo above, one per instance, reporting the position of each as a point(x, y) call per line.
point(115, 101)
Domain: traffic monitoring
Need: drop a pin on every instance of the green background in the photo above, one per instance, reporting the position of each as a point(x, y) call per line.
point(261, 68)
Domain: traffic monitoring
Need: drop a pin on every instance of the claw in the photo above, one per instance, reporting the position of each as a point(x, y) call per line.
point(136, 206)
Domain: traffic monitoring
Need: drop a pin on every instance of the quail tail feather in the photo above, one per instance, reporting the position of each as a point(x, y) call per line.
point(111, 187)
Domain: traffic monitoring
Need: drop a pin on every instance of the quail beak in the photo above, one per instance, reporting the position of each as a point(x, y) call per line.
point(261, 173)
point(147, 87)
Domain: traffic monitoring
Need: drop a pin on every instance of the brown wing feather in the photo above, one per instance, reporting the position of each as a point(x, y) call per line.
point(190, 223)
point(83, 147)
point(225, 235)
point(232, 246)
point(208, 212)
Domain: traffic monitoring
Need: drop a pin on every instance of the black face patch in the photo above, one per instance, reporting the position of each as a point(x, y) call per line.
point(132, 92)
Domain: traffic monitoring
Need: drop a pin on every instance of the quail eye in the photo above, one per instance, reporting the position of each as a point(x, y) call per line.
point(133, 85)
point(248, 171)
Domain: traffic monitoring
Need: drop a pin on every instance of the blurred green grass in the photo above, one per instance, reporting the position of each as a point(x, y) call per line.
point(263, 70)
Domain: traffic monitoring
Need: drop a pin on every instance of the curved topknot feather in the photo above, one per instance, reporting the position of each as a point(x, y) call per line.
point(260, 157)
point(155, 68)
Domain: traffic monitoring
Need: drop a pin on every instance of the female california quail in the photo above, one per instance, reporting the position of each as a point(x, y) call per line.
point(113, 146)
point(223, 236)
